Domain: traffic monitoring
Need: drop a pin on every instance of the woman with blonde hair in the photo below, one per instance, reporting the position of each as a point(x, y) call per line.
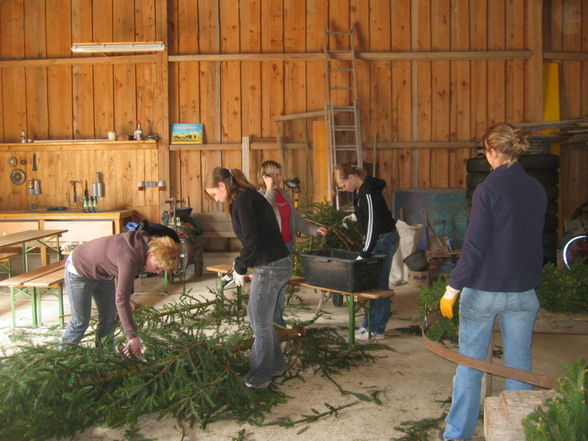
point(500, 265)
point(289, 219)
point(379, 227)
point(263, 250)
point(105, 269)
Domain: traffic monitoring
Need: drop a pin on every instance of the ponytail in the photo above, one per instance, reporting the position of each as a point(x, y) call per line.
point(234, 180)
point(506, 139)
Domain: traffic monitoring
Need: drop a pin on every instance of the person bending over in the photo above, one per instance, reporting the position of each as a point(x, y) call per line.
point(104, 269)
point(263, 250)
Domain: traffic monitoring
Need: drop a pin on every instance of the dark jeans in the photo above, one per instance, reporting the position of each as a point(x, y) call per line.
point(266, 357)
point(387, 244)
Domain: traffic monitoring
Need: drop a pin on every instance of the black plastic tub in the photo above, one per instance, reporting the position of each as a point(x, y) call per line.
point(338, 269)
point(417, 261)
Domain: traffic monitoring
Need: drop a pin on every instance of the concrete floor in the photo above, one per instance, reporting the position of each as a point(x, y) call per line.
point(410, 369)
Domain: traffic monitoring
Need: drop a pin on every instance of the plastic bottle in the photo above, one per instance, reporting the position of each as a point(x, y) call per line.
point(138, 133)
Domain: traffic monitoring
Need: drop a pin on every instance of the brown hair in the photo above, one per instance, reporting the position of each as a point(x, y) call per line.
point(506, 139)
point(233, 178)
point(166, 251)
point(268, 168)
point(344, 170)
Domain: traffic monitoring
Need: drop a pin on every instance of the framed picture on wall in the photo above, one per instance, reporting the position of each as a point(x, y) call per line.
point(186, 133)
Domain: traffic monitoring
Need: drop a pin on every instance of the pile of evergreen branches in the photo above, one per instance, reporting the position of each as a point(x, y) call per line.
point(193, 366)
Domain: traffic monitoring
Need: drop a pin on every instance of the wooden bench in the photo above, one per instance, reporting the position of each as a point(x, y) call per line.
point(6, 254)
point(355, 300)
point(34, 285)
point(217, 227)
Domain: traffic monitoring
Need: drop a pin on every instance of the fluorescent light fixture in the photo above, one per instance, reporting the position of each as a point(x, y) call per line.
point(130, 46)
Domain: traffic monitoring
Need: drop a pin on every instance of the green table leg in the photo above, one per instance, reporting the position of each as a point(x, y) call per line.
point(35, 309)
point(351, 311)
point(240, 296)
point(13, 306)
point(61, 312)
point(165, 282)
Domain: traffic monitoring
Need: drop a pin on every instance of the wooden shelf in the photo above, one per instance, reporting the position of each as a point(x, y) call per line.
point(77, 144)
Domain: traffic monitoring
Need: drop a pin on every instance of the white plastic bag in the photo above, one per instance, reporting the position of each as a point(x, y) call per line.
point(409, 237)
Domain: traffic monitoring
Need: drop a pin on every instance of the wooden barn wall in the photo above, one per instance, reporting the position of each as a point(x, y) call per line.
point(410, 102)
point(418, 114)
point(120, 167)
point(57, 101)
point(566, 30)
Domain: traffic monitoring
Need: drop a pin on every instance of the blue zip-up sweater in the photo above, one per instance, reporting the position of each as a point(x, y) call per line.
point(373, 216)
point(503, 245)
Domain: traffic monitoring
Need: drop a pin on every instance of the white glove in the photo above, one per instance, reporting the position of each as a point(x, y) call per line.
point(239, 279)
point(359, 258)
point(348, 219)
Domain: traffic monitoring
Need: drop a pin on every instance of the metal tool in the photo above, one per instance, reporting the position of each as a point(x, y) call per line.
point(17, 176)
point(75, 194)
point(98, 187)
point(34, 162)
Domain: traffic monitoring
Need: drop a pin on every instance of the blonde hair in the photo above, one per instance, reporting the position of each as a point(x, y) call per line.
point(166, 252)
point(506, 139)
point(268, 168)
point(234, 180)
point(342, 171)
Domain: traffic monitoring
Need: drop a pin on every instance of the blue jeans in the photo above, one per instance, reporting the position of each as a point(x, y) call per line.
point(477, 310)
point(281, 301)
point(80, 292)
point(266, 359)
point(387, 244)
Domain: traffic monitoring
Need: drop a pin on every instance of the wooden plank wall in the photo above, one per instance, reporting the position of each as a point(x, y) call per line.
point(121, 167)
point(566, 30)
point(84, 101)
point(418, 114)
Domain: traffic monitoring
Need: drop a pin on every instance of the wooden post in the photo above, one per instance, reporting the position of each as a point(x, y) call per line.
point(245, 155)
point(161, 122)
point(320, 158)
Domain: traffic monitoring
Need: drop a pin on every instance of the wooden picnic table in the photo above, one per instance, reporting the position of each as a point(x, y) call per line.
point(362, 299)
point(39, 238)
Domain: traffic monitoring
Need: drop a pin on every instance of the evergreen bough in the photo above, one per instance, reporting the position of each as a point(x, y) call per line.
point(193, 370)
point(565, 417)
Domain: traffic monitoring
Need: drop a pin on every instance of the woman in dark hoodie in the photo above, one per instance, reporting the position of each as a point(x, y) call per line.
point(376, 222)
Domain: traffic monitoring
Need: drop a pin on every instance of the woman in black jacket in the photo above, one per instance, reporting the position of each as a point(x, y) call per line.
point(263, 250)
point(376, 222)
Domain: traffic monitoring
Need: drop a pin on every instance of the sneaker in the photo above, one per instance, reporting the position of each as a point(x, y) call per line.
point(363, 334)
point(257, 386)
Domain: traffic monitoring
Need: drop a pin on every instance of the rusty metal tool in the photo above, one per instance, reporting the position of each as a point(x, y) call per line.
point(75, 194)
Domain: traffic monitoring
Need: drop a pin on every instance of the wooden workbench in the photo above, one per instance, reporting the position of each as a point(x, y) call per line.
point(362, 299)
point(81, 226)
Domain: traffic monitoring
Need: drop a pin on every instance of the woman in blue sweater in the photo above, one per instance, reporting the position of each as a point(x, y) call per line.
point(500, 265)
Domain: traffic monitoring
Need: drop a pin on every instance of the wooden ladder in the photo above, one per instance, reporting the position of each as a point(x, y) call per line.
point(342, 104)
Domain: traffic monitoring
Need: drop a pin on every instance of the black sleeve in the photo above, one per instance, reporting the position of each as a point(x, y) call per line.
point(245, 215)
point(369, 207)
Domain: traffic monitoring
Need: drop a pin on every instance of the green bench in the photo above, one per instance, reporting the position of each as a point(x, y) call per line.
point(34, 285)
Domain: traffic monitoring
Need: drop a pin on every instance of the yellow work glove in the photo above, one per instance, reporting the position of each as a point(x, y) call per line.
point(447, 302)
